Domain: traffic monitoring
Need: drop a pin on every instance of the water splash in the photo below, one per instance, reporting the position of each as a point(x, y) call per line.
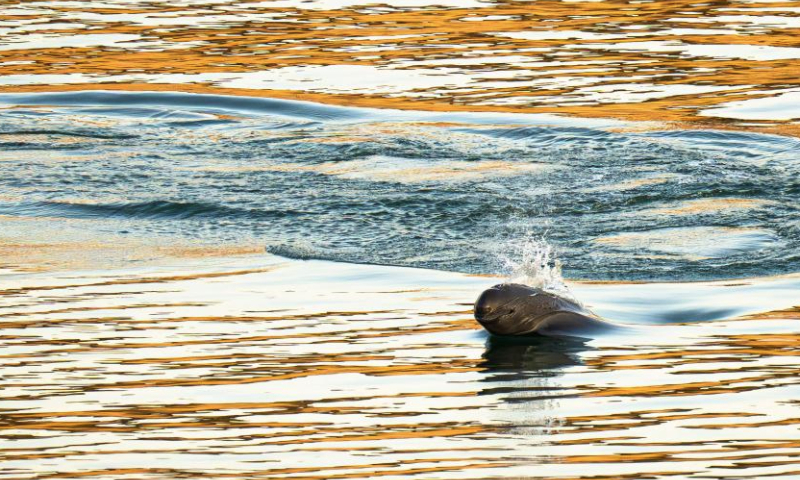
point(532, 261)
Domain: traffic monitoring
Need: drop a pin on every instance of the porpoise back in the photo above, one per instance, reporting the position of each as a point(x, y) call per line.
point(512, 309)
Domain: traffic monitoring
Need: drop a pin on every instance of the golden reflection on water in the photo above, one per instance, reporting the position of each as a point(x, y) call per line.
point(679, 61)
point(255, 367)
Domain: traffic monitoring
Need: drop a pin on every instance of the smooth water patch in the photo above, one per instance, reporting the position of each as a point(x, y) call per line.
point(445, 191)
point(785, 106)
point(379, 168)
point(694, 243)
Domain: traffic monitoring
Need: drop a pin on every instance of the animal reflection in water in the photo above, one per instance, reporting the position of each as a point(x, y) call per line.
point(510, 354)
point(515, 310)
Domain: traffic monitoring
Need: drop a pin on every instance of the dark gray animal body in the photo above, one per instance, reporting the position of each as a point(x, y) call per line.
point(512, 309)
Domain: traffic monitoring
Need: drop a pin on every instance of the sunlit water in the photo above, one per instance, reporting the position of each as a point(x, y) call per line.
point(679, 61)
point(268, 367)
point(636, 143)
point(260, 367)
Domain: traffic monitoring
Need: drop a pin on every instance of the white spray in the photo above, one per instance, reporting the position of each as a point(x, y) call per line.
point(532, 261)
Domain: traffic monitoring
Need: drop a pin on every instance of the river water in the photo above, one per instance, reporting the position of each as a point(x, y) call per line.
point(721, 64)
point(252, 367)
point(450, 191)
point(242, 239)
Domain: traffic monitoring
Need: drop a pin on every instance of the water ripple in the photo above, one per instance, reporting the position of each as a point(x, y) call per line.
point(274, 374)
point(405, 188)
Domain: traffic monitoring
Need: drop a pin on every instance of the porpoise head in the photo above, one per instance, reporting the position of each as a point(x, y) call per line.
point(513, 309)
point(507, 309)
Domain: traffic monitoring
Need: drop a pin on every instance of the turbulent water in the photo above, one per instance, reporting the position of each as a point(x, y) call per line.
point(443, 191)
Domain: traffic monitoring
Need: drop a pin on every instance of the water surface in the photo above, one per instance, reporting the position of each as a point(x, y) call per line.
point(259, 367)
point(450, 191)
point(729, 63)
point(146, 146)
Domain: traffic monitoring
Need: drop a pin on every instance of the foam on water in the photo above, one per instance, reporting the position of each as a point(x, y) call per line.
point(533, 262)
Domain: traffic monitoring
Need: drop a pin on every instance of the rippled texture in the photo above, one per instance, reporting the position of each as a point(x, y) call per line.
point(443, 191)
point(125, 353)
point(680, 61)
point(265, 368)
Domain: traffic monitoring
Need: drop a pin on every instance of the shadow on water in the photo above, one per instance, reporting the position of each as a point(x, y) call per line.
point(122, 101)
point(526, 355)
point(689, 303)
point(527, 374)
